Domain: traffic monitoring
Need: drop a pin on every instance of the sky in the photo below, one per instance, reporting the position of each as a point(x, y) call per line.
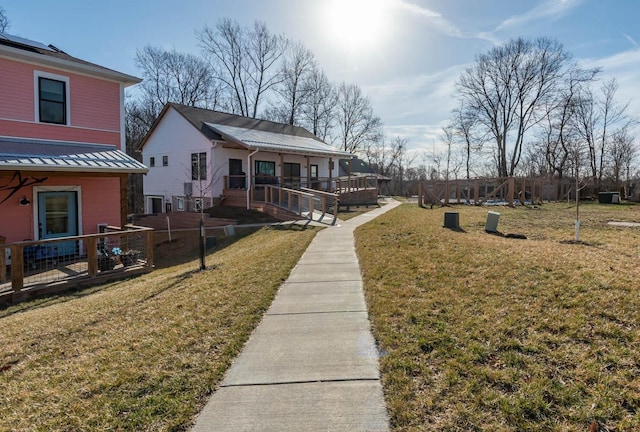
point(406, 55)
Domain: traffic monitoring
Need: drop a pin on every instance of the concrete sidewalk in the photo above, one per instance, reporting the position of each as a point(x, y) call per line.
point(312, 363)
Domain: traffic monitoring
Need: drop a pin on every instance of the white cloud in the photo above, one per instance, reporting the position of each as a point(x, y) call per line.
point(548, 10)
point(441, 24)
point(630, 39)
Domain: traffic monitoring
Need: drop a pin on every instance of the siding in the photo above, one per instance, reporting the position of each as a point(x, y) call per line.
point(94, 106)
point(100, 203)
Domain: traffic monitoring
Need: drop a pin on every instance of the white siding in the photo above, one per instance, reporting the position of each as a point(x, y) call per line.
point(175, 138)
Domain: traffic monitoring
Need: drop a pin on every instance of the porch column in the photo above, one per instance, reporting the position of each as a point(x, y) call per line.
point(281, 169)
point(250, 179)
point(330, 174)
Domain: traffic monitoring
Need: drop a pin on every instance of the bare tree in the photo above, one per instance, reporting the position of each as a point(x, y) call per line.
point(559, 128)
point(358, 127)
point(291, 92)
point(622, 153)
point(171, 76)
point(599, 120)
point(505, 89)
point(245, 61)
point(463, 128)
point(4, 20)
point(319, 111)
point(383, 157)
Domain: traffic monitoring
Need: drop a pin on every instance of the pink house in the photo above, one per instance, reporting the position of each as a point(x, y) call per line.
point(63, 169)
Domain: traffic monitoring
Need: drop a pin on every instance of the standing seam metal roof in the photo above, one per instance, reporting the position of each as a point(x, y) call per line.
point(36, 155)
point(273, 141)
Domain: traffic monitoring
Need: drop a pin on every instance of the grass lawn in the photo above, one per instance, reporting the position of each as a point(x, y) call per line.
point(141, 354)
point(349, 212)
point(482, 332)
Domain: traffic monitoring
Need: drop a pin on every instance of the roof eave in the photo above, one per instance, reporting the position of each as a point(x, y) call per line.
point(74, 169)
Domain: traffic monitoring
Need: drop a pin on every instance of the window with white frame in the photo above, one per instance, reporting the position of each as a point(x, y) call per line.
point(180, 204)
point(51, 98)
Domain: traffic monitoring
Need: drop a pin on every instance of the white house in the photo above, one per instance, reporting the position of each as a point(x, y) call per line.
point(197, 157)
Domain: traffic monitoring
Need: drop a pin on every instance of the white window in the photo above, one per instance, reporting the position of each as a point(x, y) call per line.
point(180, 204)
point(51, 97)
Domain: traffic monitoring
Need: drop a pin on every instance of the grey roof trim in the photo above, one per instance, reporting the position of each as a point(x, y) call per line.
point(277, 142)
point(40, 155)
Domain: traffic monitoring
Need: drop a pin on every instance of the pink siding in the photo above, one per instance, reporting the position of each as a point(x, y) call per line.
point(99, 203)
point(94, 109)
point(57, 133)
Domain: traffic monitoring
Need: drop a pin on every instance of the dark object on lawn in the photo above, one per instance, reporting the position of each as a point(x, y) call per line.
point(452, 220)
point(609, 197)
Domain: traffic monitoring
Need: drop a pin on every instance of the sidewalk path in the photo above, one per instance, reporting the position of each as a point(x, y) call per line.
point(312, 363)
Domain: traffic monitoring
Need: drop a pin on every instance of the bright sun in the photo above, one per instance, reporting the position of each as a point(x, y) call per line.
point(356, 24)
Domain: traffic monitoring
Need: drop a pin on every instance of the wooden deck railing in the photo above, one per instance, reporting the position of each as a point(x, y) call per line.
point(44, 266)
point(326, 184)
point(308, 203)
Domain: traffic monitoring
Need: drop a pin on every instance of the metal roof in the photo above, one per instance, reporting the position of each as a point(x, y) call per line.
point(39, 155)
point(277, 142)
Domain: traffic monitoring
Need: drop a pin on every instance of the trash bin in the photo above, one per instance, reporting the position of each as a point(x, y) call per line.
point(609, 197)
point(452, 220)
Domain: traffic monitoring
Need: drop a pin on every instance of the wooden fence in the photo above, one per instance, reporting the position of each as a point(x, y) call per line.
point(509, 191)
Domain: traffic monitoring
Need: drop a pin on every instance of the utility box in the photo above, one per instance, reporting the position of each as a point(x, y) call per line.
point(492, 222)
point(452, 220)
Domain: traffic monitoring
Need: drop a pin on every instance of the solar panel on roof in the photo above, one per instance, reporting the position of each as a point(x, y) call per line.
point(24, 41)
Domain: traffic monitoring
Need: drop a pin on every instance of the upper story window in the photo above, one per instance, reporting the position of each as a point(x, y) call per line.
point(152, 161)
point(165, 160)
point(52, 98)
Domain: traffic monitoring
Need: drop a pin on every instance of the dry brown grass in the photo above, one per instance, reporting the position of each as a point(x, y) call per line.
point(140, 354)
point(482, 332)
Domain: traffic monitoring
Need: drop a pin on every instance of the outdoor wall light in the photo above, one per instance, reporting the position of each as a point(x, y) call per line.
point(24, 201)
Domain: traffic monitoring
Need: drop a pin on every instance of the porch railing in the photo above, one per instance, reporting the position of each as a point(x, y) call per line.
point(60, 263)
point(308, 203)
point(326, 184)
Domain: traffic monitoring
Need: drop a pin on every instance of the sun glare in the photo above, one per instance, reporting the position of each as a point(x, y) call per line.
point(356, 24)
